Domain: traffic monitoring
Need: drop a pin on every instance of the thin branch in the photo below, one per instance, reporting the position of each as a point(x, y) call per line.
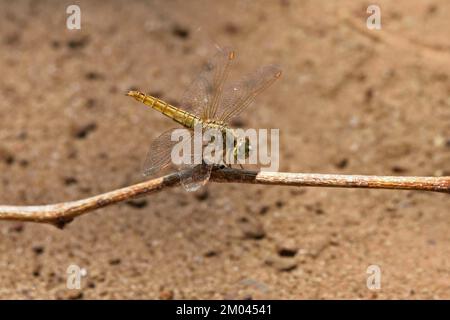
point(62, 213)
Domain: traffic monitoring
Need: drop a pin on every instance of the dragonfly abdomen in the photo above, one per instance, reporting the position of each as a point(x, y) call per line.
point(176, 114)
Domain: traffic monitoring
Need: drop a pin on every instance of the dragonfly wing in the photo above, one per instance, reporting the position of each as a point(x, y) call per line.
point(194, 173)
point(203, 96)
point(159, 155)
point(195, 176)
point(238, 96)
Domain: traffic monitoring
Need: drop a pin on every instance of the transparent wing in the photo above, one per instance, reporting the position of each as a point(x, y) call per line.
point(238, 96)
point(203, 96)
point(159, 155)
point(195, 176)
point(195, 173)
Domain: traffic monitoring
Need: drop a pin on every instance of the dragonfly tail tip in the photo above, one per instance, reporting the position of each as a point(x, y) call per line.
point(131, 93)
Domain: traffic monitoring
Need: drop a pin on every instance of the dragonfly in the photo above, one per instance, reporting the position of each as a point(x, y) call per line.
point(210, 103)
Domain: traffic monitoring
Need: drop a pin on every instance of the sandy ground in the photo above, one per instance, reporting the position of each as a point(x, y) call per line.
point(350, 101)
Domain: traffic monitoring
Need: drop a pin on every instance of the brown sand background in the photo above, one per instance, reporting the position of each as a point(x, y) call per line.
point(350, 101)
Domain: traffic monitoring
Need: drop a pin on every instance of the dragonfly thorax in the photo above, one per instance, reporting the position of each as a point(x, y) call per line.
point(233, 144)
point(214, 124)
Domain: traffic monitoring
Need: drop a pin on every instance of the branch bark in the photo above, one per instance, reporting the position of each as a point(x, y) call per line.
point(61, 213)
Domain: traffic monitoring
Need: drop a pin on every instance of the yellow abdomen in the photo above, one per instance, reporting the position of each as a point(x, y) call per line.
point(176, 114)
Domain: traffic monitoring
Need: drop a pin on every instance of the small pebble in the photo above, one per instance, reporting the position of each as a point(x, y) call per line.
point(282, 264)
point(253, 230)
point(166, 295)
point(287, 248)
point(38, 250)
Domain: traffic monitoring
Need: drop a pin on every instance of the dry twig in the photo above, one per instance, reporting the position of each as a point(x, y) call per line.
point(62, 213)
